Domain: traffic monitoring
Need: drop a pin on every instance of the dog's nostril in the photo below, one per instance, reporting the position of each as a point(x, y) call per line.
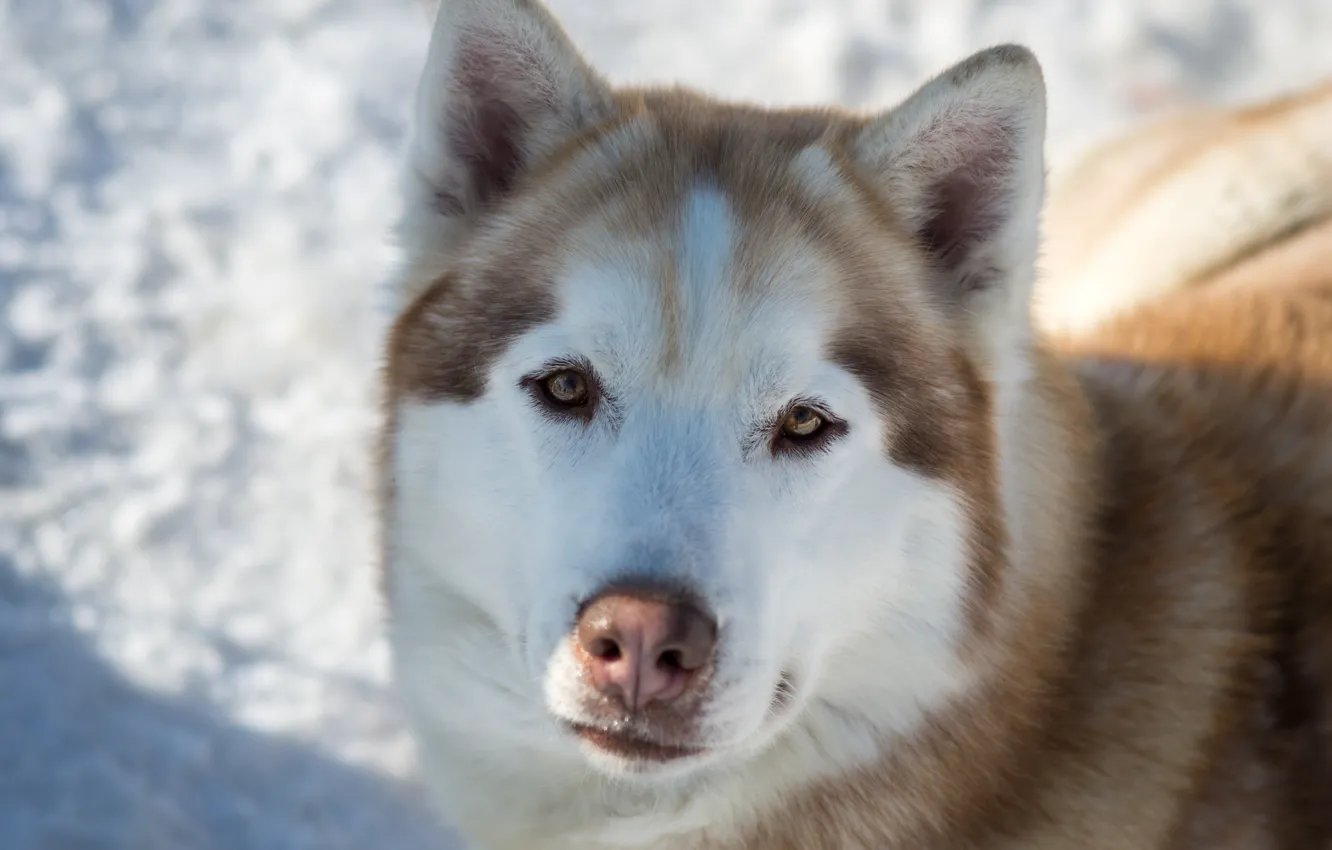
point(605, 648)
point(671, 660)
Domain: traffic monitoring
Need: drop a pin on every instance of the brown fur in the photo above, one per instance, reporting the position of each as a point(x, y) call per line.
point(1298, 260)
point(1167, 682)
point(1215, 193)
point(1238, 385)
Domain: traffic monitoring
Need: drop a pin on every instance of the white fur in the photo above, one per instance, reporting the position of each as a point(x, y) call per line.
point(842, 568)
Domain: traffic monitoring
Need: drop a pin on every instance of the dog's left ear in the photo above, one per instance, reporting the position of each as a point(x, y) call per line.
point(961, 160)
point(501, 89)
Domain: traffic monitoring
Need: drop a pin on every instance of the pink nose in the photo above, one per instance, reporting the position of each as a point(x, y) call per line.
point(644, 651)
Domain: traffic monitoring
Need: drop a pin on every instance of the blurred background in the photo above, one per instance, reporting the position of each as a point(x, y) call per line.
point(194, 207)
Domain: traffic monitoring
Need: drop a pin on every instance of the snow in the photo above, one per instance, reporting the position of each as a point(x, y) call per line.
point(194, 200)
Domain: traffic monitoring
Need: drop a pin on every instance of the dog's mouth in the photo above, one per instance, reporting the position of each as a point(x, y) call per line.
point(628, 745)
point(638, 741)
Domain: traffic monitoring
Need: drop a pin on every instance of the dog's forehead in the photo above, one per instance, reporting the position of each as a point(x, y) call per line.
point(685, 239)
point(701, 245)
point(702, 291)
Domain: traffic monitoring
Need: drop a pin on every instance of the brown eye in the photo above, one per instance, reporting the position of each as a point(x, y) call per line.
point(801, 423)
point(566, 387)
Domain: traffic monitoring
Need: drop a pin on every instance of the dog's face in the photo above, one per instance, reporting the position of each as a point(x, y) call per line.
point(693, 407)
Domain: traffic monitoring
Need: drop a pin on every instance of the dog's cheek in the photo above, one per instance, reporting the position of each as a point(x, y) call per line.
point(458, 494)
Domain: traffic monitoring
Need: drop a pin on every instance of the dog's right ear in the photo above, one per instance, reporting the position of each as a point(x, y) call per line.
point(502, 87)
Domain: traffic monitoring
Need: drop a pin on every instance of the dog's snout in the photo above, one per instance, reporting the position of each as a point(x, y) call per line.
point(644, 649)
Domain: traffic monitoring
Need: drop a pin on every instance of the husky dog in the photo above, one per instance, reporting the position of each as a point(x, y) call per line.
point(733, 500)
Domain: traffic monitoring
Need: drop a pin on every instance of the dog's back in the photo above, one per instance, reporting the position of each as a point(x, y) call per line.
point(1190, 272)
point(1213, 197)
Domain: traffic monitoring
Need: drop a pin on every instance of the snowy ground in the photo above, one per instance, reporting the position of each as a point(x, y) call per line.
point(193, 203)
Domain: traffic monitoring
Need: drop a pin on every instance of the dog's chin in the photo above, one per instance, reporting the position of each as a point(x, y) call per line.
point(628, 750)
point(626, 755)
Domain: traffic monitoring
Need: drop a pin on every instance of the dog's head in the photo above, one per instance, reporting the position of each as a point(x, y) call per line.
point(696, 409)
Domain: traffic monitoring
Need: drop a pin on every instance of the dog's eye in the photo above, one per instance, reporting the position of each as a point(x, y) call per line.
point(801, 423)
point(805, 429)
point(566, 388)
